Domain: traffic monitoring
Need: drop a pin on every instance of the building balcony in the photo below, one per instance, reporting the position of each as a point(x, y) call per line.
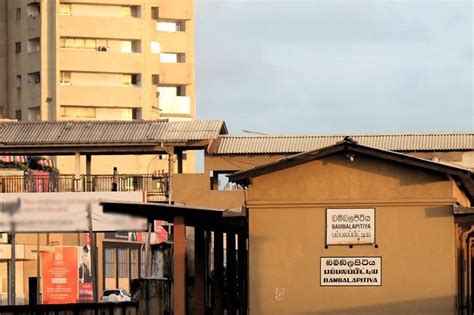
point(176, 73)
point(93, 27)
point(174, 105)
point(172, 9)
point(156, 186)
point(174, 41)
point(105, 96)
point(95, 61)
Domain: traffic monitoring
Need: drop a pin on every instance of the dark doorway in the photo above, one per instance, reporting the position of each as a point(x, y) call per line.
point(33, 290)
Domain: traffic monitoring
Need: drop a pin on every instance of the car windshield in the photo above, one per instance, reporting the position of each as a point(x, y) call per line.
point(109, 292)
point(125, 292)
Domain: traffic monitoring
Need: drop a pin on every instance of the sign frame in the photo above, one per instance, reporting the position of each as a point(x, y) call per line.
point(328, 230)
point(380, 284)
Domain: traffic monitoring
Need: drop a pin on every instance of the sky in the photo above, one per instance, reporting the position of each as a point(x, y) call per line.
point(335, 66)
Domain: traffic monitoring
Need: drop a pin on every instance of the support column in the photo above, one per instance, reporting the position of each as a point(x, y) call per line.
point(242, 269)
point(179, 267)
point(170, 152)
point(200, 271)
point(231, 274)
point(179, 155)
point(77, 170)
point(218, 308)
point(88, 172)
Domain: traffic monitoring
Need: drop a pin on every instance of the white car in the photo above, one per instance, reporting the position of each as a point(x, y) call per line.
point(116, 295)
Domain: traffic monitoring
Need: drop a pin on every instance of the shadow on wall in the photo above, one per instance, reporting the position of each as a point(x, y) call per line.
point(438, 212)
point(441, 305)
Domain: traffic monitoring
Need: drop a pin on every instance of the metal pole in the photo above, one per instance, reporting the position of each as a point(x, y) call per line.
point(93, 255)
point(12, 270)
point(147, 252)
point(38, 270)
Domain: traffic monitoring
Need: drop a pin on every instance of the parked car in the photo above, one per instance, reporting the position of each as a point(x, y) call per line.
point(116, 295)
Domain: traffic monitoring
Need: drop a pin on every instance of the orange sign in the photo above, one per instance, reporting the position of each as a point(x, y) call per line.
point(59, 270)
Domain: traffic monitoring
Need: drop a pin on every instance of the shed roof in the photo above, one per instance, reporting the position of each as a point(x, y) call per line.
point(462, 175)
point(25, 135)
point(295, 144)
point(108, 132)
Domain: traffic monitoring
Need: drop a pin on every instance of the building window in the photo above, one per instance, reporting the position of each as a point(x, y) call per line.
point(78, 112)
point(126, 46)
point(155, 47)
point(220, 181)
point(18, 81)
point(33, 9)
point(130, 79)
point(109, 262)
point(170, 26)
point(18, 14)
point(172, 90)
point(65, 78)
point(80, 43)
point(134, 264)
point(122, 262)
point(18, 47)
point(172, 58)
point(34, 78)
point(155, 13)
point(65, 9)
point(34, 45)
point(18, 115)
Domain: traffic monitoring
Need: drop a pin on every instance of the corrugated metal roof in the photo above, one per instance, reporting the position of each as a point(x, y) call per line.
point(108, 132)
point(296, 144)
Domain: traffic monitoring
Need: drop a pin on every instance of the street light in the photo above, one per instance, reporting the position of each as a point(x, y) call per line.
point(255, 132)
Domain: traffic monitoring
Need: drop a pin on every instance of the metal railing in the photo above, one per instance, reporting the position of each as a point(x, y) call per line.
point(152, 184)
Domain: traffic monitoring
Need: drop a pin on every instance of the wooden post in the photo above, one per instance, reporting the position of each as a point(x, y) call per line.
point(179, 155)
point(77, 170)
point(93, 255)
point(242, 269)
point(218, 308)
point(200, 271)
point(179, 267)
point(88, 172)
point(231, 274)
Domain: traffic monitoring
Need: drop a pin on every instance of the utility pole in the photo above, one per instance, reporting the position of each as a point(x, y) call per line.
point(93, 255)
point(11, 208)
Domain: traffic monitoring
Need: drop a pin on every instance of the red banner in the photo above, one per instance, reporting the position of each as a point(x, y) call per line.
point(60, 274)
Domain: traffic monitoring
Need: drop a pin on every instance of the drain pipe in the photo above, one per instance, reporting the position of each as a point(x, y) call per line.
point(466, 265)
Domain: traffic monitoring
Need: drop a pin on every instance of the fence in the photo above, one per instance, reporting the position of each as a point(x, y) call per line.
point(153, 185)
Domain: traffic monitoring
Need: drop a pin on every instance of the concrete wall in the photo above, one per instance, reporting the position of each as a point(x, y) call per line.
point(415, 236)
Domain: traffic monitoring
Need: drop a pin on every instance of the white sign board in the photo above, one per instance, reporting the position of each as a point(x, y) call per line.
point(350, 226)
point(351, 271)
point(67, 212)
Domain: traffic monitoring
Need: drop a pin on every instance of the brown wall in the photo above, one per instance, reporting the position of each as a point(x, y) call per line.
point(194, 190)
point(415, 234)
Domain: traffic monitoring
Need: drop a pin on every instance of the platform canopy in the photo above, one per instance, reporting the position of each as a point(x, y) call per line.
point(106, 137)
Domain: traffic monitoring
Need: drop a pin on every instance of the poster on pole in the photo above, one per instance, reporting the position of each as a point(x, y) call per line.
point(350, 226)
point(86, 293)
point(59, 270)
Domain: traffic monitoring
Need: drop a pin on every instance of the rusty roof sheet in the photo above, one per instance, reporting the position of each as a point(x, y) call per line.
point(295, 144)
point(108, 132)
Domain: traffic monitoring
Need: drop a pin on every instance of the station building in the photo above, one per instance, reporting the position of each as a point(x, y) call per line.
point(407, 184)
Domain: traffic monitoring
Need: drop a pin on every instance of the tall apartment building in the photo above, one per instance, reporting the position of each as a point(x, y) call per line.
point(97, 59)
